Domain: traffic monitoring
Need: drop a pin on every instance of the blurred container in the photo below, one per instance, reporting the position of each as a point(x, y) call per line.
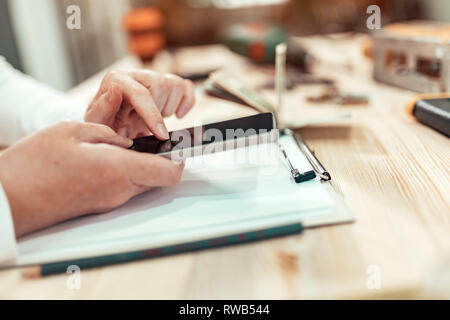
point(145, 28)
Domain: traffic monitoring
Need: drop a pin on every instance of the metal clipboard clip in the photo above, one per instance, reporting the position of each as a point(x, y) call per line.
point(323, 174)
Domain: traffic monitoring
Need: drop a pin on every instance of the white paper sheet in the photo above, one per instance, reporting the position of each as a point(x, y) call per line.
point(223, 193)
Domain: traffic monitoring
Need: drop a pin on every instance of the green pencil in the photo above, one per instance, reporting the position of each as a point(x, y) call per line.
point(94, 262)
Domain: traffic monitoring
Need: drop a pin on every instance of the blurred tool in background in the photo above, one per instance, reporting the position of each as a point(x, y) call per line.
point(414, 55)
point(432, 110)
point(258, 41)
point(254, 40)
point(332, 94)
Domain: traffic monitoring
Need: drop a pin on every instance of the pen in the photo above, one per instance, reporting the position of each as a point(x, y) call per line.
point(315, 163)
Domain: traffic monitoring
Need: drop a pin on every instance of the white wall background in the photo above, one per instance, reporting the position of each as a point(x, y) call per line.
point(39, 34)
point(437, 9)
point(60, 57)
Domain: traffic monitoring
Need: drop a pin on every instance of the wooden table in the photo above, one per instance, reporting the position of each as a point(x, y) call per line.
point(392, 172)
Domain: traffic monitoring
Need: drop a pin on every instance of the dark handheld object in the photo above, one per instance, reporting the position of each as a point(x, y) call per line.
point(434, 113)
point(196, 139)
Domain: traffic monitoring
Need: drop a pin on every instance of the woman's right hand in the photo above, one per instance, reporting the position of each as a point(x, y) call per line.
point(73, 169)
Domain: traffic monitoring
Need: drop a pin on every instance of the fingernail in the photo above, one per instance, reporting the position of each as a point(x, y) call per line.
point(179, 162)
point(130, 143)
point(178, 159)
point(162, 131)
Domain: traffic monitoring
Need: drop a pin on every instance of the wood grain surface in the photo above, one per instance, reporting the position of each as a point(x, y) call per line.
point(393, 173)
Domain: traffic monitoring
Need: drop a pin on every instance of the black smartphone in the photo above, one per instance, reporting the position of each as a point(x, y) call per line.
point(212, 137)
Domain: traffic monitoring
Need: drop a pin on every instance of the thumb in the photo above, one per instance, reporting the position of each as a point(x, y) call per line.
point(98, 133)
point(148, 170)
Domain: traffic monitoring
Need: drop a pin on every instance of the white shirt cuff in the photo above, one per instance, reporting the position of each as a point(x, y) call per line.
point(27, 106)
point(8, 245)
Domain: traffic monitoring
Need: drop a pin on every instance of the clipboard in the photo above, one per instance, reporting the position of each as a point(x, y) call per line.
point(207, 203)
point(341, 213)
point(228, 84)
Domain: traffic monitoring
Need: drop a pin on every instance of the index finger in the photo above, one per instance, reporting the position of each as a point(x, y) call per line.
point(142, 101)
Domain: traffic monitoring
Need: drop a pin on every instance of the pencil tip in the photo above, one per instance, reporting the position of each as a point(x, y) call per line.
point(31, 273)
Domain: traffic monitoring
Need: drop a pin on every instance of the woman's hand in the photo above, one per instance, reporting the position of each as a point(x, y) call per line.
point(133, 103)
point(73, 169)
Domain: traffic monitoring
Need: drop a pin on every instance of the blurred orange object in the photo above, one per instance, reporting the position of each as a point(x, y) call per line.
point(143, 19)
point(367, 48)
point(147, 45)
point(145, 30)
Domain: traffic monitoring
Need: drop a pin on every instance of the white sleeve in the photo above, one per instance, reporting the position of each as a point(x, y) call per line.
point(27, 106)
point(8, 246)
